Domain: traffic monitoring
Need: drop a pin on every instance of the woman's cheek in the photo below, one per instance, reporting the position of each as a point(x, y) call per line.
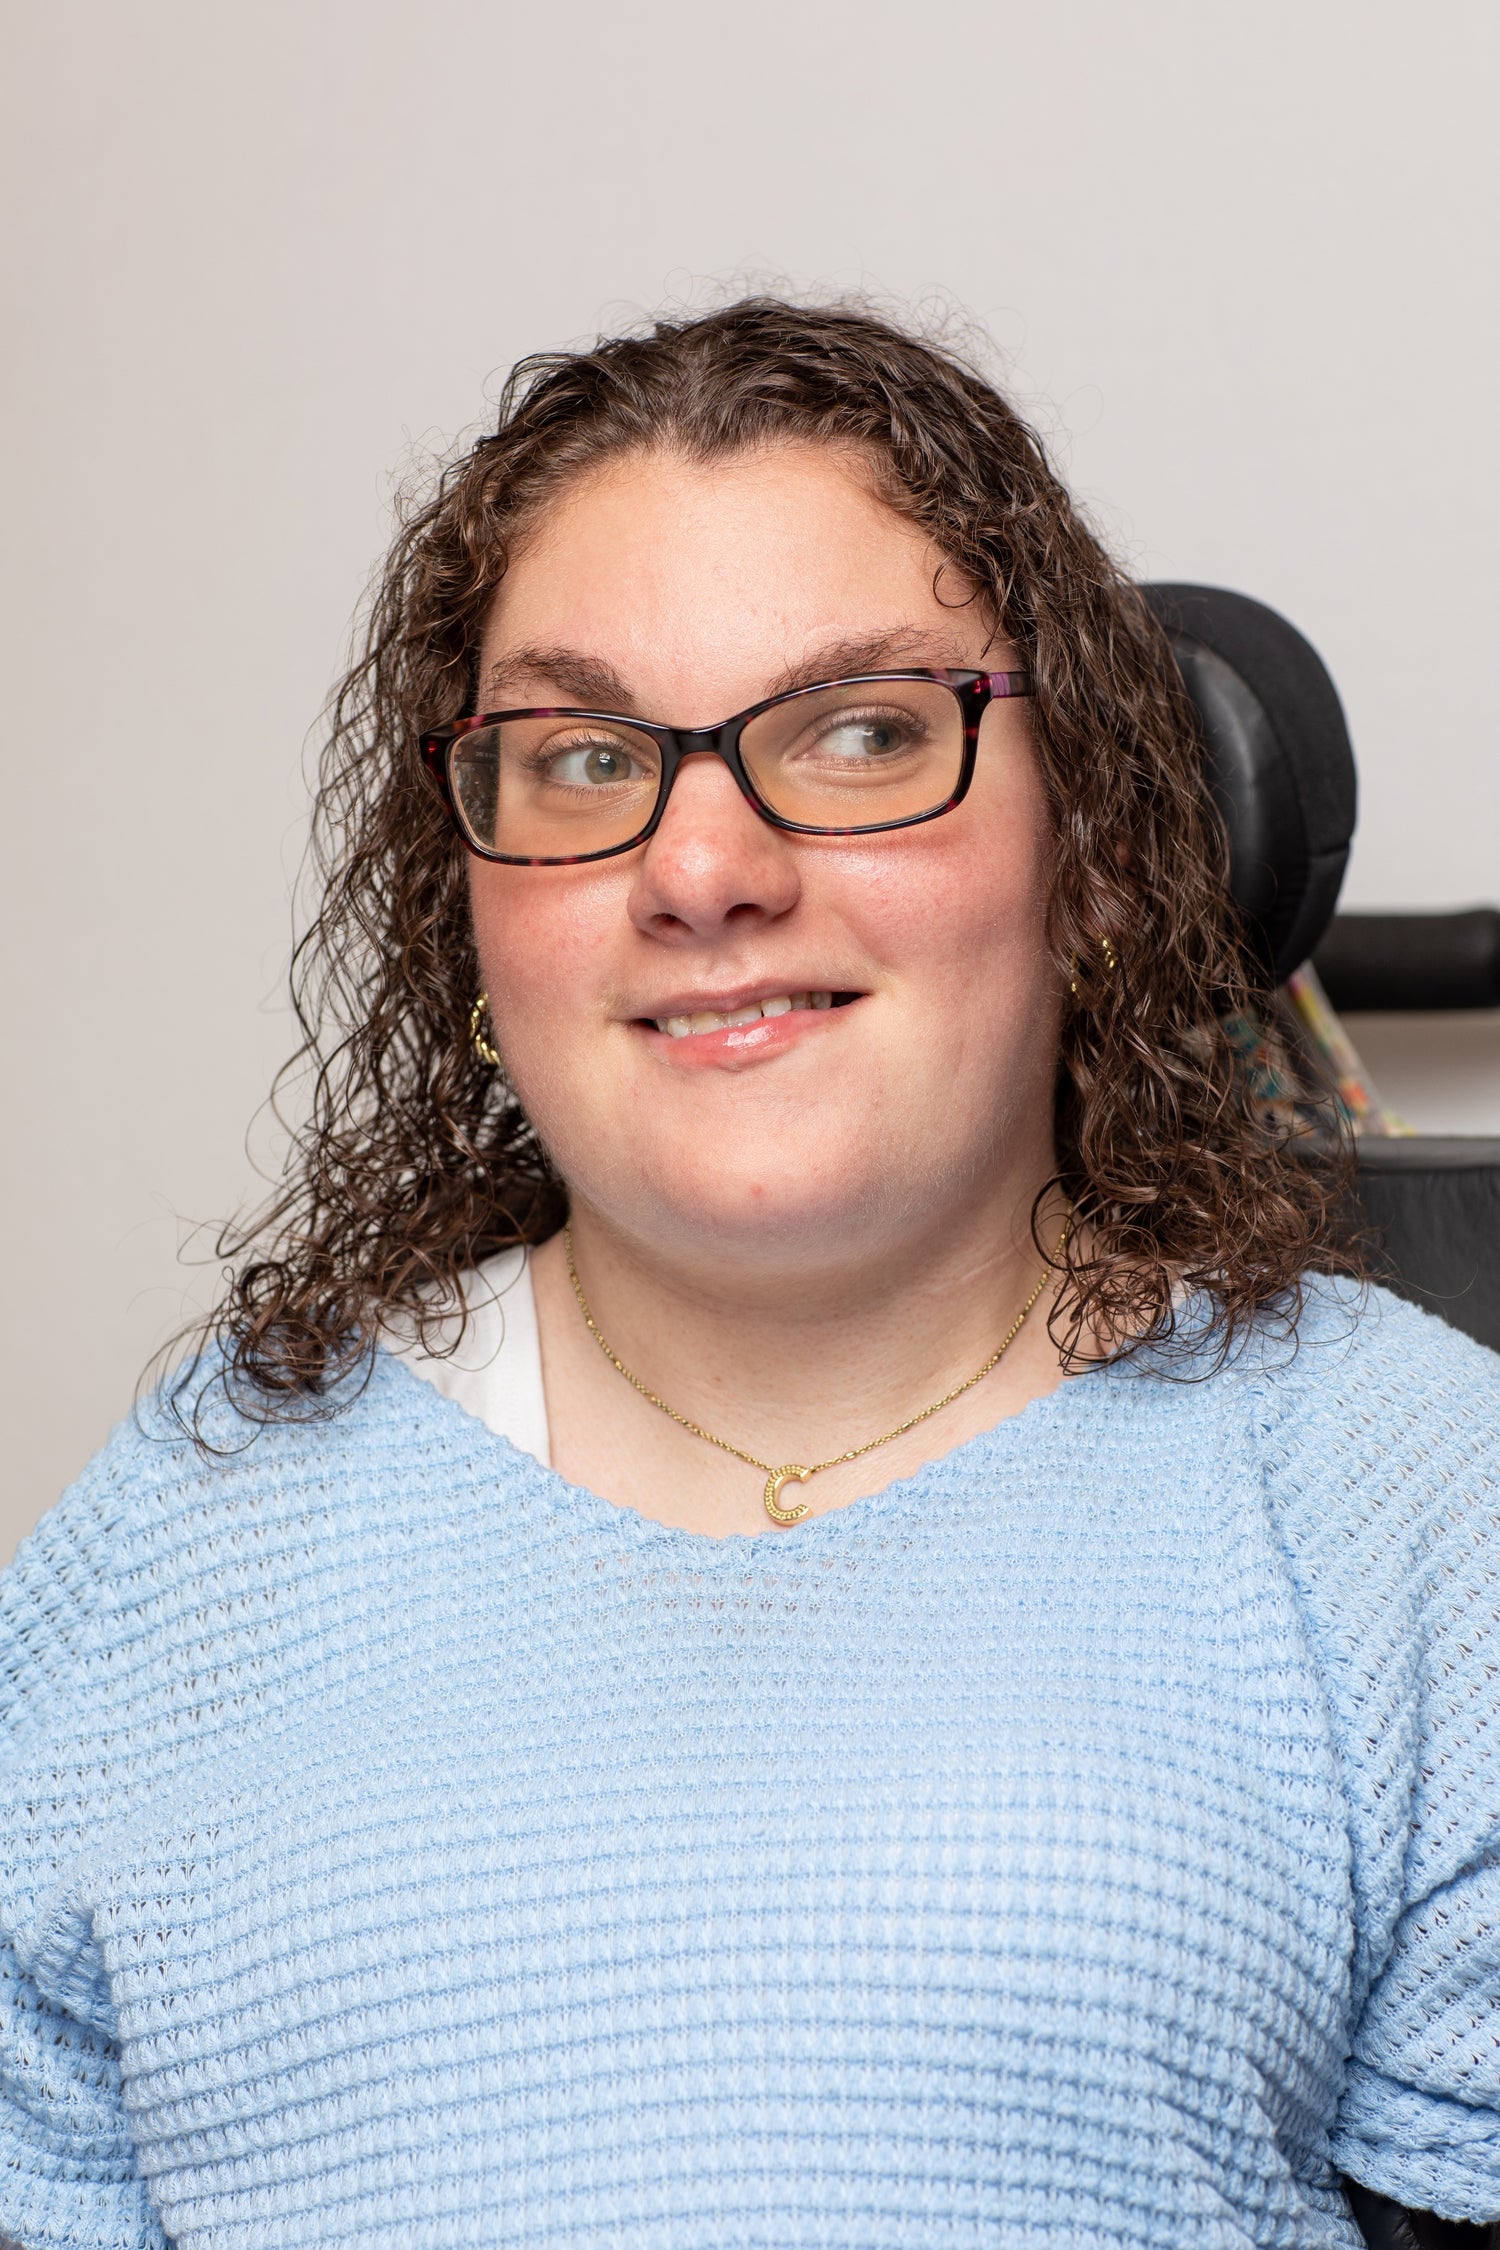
point(544, 940)
point(967, 924)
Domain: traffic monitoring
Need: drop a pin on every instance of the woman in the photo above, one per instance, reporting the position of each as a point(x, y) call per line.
point(926, 1682)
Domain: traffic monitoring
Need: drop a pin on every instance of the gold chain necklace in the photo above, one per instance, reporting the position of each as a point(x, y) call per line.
point(793, 1472)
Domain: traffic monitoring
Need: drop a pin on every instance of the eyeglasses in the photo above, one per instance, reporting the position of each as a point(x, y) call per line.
point(547, 788)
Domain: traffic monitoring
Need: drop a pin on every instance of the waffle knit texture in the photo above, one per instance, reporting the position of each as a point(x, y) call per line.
point(1091, 1839)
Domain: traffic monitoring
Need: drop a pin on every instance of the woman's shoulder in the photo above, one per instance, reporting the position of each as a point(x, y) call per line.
point(1370, 1431)
point(1347, 1399)
point(1376, 1431)
point(207, 1485)
point(1379, 1444)
point(217, 1571)
point(206, 1429)
point(1366, 1385)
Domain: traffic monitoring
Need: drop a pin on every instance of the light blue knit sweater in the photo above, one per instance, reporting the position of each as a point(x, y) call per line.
point(1090, 1840)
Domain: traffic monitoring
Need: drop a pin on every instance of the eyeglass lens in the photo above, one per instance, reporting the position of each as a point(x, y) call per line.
point(852, 756)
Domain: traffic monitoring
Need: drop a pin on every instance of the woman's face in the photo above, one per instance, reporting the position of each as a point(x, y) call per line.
point(683, 593)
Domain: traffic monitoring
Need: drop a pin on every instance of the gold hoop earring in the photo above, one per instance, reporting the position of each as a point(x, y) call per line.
point(1111, 965)
point(482, 1047)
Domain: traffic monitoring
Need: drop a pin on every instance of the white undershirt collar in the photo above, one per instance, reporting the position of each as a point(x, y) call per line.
point(496, 1372)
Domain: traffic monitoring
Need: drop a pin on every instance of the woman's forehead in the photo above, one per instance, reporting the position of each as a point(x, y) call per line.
point(775, 526)
point(765, 564)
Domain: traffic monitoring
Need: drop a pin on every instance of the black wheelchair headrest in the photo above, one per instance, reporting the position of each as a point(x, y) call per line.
point(1279, 763)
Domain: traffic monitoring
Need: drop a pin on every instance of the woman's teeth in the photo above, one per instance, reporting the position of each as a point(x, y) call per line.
point(678, 1027)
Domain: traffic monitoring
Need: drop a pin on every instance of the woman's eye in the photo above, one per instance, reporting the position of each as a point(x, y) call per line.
point(874, 736)
point(591, 765)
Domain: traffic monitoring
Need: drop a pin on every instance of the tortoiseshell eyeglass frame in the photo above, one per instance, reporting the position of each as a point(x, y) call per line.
point(974, 692)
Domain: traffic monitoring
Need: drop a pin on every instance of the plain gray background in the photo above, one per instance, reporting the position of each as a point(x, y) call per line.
point(1238, 261)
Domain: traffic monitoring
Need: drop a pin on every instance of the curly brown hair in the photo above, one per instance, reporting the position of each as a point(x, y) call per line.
point(416, 1161)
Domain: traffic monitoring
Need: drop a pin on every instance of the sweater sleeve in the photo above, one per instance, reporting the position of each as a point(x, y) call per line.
point(1382, 1444)
point(68, 2173)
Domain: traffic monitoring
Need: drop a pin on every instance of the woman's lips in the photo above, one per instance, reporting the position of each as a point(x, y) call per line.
point(707, 1039)
point(733, 1019)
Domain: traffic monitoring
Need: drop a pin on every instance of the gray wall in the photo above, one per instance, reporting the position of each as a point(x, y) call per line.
point(1239, 260)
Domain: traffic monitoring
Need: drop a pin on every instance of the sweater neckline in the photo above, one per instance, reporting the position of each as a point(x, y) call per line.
point(578, 1507)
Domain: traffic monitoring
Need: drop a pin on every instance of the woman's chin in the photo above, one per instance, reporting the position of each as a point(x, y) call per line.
point(761, 1210)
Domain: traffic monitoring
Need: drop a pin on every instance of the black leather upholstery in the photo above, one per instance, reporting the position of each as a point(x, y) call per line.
point(1434, 1206)
point(1387, 2226)
point(1280, 765)
point(1412, 961)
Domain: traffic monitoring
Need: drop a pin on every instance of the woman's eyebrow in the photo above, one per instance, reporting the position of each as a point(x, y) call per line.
point(567, 671)
point(589, 681)
point(869, 652)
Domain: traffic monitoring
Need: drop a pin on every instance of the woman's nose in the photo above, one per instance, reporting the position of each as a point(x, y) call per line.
point(713, 860)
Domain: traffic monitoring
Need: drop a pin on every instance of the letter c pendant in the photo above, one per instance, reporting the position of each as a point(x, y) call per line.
point(774, 1483)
